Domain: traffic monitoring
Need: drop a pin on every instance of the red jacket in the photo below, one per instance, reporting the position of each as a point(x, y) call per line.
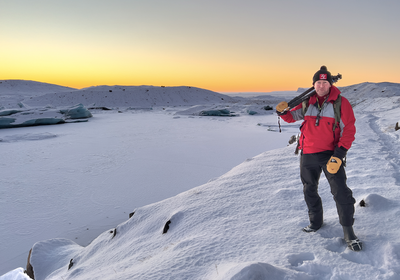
point(318, 138)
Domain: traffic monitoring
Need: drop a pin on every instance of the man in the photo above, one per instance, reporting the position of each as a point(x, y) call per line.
point(324, 144)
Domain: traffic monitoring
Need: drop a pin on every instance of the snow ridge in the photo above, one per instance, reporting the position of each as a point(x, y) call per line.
point(130, 96)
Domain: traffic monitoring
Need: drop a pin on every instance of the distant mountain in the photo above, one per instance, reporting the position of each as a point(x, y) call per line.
point(36, 94)
point(29, 88)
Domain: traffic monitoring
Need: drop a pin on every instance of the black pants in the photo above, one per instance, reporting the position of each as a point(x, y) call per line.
point(311, 166)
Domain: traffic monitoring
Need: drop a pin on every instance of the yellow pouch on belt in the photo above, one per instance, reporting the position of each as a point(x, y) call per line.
point(333, 165)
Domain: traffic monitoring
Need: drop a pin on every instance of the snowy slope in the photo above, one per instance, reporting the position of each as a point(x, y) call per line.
point(29, 88)
point(14, 91)
point(360, 92)
point(246, 223)
point(130, 96)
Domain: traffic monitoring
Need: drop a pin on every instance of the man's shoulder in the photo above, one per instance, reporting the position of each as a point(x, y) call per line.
point(344, 100)
point(346, 109)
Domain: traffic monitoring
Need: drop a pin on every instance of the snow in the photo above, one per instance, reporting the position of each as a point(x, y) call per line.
point(229, 186)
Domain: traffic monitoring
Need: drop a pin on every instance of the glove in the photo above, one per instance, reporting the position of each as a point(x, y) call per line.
point(340, 152)
point(333, 165)
point(282, 108)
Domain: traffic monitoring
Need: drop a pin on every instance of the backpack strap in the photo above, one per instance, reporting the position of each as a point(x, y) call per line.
point(336, 108)
point(304, 105)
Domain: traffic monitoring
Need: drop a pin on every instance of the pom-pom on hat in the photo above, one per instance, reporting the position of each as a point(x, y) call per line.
point(323, 74)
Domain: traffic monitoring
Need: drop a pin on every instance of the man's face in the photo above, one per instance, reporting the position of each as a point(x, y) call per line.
point(322, 87)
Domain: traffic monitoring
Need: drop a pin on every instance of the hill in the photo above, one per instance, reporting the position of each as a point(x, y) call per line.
point(130, 96)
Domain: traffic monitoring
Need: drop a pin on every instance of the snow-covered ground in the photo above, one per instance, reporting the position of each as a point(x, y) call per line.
point(229, 186)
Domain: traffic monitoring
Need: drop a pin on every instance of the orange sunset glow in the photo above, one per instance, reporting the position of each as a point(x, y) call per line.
point(224, 46)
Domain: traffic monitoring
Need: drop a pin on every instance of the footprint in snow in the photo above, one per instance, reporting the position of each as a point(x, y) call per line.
point(297, 260)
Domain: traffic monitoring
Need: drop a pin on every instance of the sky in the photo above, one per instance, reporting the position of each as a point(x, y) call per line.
point(220, 45)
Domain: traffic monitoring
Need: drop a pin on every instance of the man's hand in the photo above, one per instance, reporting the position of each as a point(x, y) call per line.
point(282, 108)
point(333, 165)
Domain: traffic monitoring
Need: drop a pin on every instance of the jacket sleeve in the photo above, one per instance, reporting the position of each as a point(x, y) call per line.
point(295, 114)
point(347, 125)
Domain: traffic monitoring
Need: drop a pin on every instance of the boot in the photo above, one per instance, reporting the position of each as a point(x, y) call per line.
point(351, 239)
point(311, 228)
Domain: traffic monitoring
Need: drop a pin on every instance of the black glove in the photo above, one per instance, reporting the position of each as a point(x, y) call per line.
point(340, 152)
point(281, 113)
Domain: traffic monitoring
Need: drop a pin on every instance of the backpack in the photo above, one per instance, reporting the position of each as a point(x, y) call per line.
point(336, 108)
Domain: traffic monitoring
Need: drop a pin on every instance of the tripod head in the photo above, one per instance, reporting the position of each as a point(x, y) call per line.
point(336, 78)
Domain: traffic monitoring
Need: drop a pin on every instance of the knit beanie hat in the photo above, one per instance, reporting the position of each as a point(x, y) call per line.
point(323, 74)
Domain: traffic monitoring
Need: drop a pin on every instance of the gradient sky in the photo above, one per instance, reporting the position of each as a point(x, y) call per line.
point(221, 45)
